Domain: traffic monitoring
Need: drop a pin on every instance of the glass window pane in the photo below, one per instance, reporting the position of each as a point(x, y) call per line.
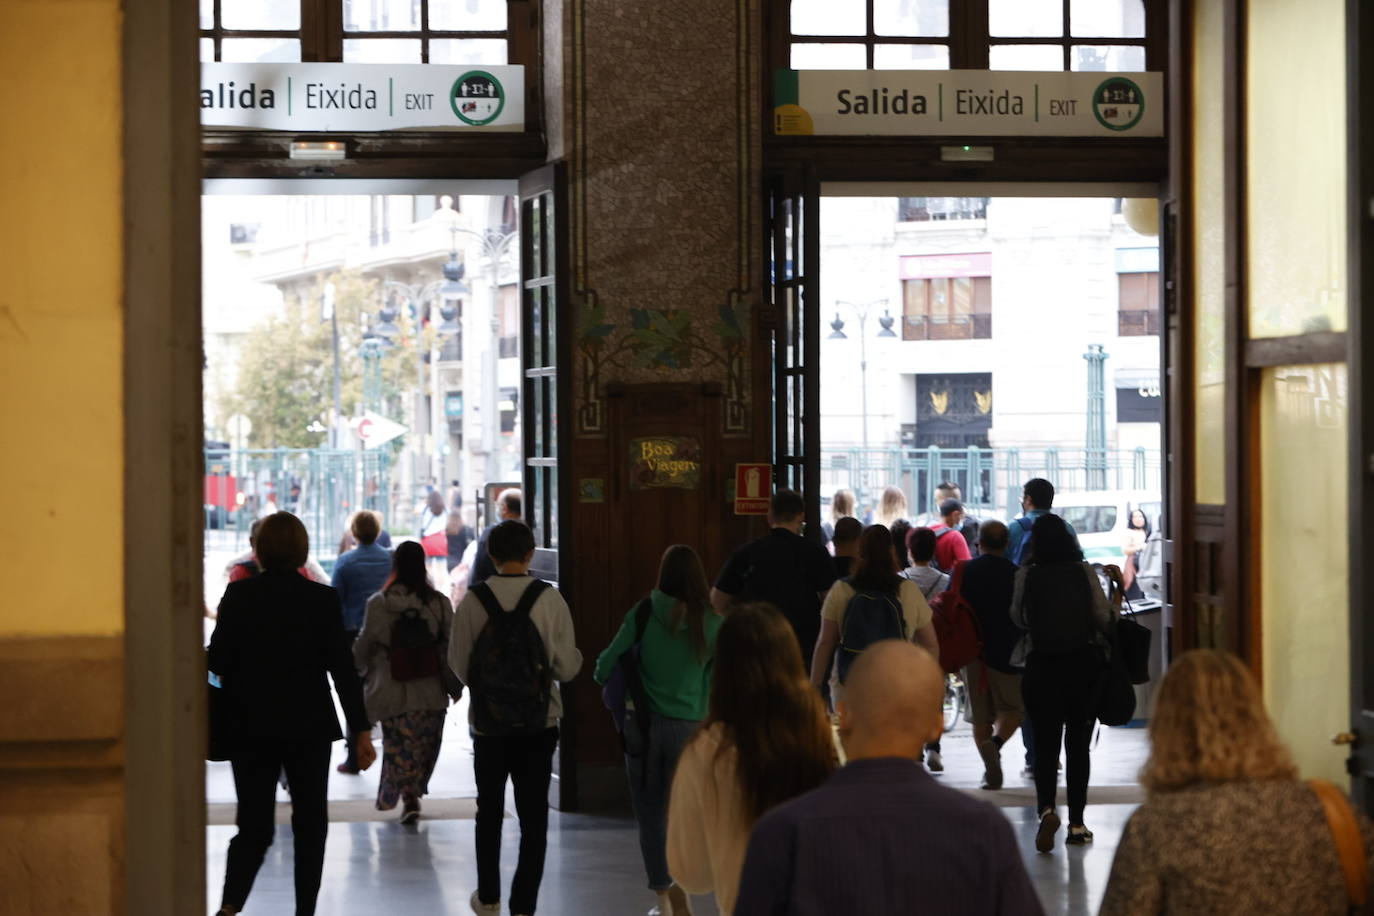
point(1107, 18)
point(381, 15)
point(829, 57)
point(207, 14)
point(911, 57)
point(1026, 18)
point(491, 51)
point(381, 50)
point(1123, 58)
point(829, 17)
point(467, 15)
point(911, 17)
point(1026, 57)
point(251, 50)
point(259, 14)
point(207, 49)
point(1296, 232)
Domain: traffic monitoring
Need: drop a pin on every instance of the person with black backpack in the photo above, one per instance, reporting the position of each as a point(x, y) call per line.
point(1059, 601)
point(664, 651)
point(512, 645)
point(873, 604)
point(402, 651)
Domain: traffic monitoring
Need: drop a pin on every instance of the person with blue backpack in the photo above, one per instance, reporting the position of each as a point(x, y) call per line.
point(873, 604)
point(664, 650)
point(512, 644)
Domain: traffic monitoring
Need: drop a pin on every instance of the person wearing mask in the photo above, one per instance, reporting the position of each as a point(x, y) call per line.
point(1068, 621)
point(875, 574)
point(994, 684)
point(278, 637)
point(674, 664)
point(950, 546)
point(846, 544)
point(358, 575)
point(880, 836)
point(405, 694)
point(784, 569)
point(891, 507)
point(1227, 826)
point(732, 771)
point(499, 623)
point(509, 508)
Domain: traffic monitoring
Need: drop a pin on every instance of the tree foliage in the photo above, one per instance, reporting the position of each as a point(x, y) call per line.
point(286, 368)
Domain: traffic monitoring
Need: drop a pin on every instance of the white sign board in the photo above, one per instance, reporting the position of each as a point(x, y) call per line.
point(362, 97)
point(968, 103)
point(374, 429)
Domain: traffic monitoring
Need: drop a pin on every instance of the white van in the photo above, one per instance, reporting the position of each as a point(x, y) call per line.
point(1100, 517)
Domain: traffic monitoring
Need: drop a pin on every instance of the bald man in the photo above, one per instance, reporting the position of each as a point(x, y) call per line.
point(881, 836)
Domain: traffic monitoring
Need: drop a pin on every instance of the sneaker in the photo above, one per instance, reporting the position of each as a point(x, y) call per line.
point(1078, 836)
point(992, 759)
point(934, 763)
point(484, 909)
point(1049, 826)
point(411, 813)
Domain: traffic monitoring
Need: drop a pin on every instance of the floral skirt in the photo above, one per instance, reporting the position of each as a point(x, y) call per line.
point(410, 748)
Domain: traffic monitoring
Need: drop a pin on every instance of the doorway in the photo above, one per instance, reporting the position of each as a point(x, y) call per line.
point(975, 336)
point(362, 351)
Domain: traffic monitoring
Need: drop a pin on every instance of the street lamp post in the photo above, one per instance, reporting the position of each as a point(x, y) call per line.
point(837, 333)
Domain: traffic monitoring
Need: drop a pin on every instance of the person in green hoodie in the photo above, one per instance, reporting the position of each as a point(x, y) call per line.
point(675, 659)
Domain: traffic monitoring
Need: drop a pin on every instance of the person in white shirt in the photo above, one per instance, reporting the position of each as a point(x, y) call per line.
point(515, 728)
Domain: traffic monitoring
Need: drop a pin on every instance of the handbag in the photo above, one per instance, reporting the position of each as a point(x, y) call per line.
point(1116, 699)
point(1345, 831)
point(436, 544)
point(625, 687)
point(1133, 639)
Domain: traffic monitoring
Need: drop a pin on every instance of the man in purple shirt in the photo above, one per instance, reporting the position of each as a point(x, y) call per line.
point(881, 836)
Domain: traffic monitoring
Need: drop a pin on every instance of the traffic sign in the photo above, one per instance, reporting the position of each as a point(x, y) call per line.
point(374, 429)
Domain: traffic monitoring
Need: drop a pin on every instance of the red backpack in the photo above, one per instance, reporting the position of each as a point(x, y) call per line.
point(956, 625)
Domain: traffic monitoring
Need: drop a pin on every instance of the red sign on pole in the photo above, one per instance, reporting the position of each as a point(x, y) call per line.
point(753, 487)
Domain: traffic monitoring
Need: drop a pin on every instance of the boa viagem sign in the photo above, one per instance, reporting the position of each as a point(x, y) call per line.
point(362, 97)
point(968, 103)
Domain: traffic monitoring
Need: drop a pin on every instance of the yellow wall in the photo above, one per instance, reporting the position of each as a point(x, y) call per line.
point(1209, 251)
point(60, 314)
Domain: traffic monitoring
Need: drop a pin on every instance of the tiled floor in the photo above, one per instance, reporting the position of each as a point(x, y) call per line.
point(593, 864)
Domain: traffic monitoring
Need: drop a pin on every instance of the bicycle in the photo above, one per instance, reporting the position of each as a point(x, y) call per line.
point(956, 700)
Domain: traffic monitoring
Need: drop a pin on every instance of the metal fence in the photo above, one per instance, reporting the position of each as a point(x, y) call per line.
point(990, 479)
point(324, 487)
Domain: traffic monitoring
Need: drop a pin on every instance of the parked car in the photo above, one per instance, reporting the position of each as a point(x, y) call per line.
point(1100, 517)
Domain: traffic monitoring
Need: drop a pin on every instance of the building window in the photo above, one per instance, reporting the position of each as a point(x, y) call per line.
point(968, 34)
point(1138, 309)
point(936, 209)
point(508, 309)
point(507, 406)
point(359, 31)
point(953, 411)
point(947, 297)
point(379, 220)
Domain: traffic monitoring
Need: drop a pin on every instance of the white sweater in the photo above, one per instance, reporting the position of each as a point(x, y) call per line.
point(551, 618)
point(707, 833)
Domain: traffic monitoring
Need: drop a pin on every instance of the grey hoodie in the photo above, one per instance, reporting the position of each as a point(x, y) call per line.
point(386, 697)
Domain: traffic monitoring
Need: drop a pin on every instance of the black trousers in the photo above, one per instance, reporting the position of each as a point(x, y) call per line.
point(350, 746)
point(255, 780)
point(527, 760)
point(1060, 692)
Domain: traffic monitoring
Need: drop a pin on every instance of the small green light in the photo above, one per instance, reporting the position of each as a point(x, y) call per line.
point(967, 148)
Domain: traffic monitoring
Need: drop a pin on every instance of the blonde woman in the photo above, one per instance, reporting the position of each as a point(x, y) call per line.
point(841, 506)
point(1227, 826)
point(891, 508)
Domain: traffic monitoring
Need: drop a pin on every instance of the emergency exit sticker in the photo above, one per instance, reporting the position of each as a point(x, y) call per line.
point(753, 487)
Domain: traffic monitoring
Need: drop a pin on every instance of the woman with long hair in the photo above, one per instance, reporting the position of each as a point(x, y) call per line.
point(1059, 601)
point(766, 739)
point(875, 574)
point(434, 535)
point(891, 507)
point(841, 506)
point(1227, 827)
point(675, 630)
point(404, 678)
point(1137, 533)
point(278, 638)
